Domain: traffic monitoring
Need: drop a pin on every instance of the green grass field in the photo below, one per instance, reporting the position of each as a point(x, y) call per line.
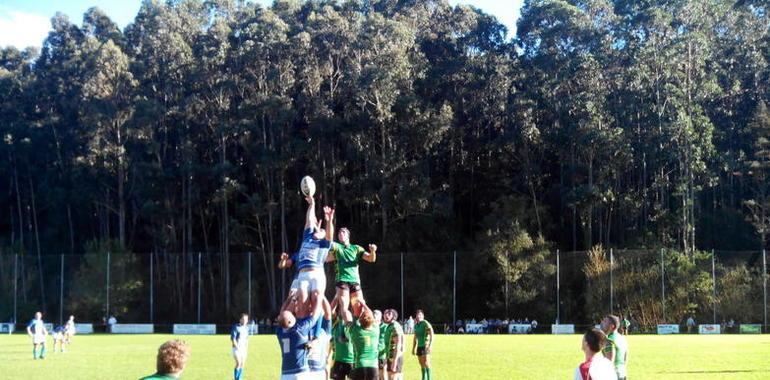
point(455, 357)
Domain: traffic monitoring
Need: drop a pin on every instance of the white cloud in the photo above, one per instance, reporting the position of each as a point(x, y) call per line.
point(22, 29)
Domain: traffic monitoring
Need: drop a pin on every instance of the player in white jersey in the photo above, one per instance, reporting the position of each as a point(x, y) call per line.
point(312, 254)
point(36, 330)
point(69, 330)
point(239, 337)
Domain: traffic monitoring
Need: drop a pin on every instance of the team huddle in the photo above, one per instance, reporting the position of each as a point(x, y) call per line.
point(343, 338)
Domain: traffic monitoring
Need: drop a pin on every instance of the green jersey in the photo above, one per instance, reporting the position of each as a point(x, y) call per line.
point(346, 266)
point(392, 333)
point(617, 342)
point(343, 347)
point(421, 331)
point(381, 345)
point(158, 376)
point(364, 345)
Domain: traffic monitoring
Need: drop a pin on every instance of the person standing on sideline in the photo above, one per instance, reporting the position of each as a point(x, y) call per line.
point(239, 338)
point(37, 331)
point(423, 340)
point(595, 366)
point(616, 347)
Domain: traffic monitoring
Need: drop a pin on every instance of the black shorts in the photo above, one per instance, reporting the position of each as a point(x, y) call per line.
point(421, 351)
point(365, 373)
point(352, 286)
point(396, 366)
point(341, 370)
point(381, 363)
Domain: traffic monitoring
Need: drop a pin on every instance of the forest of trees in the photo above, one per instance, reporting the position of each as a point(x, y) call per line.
point(601, 123)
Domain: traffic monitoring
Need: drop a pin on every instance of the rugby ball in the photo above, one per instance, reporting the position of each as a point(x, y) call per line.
point(307, 185)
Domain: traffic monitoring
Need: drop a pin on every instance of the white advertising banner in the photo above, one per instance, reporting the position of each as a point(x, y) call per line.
point(195, 329)
point(709, 329)
point(474, 328)
point(516, 328)
point(132, 328)
point(562, 329)
point(84, 328)
point(668, 329)
point(7, 328)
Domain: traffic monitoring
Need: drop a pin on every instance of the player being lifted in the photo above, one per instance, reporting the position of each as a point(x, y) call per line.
point(423, 340)
point(347, 280)
point(239, 338)
point(37, 331)
point(311, 256)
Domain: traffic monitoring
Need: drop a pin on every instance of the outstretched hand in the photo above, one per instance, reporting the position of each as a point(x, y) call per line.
point(310, 200)
point(328, 213)
point(284, 256)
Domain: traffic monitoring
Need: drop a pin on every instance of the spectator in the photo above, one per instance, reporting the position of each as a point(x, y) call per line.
point(410, 325)
point(595, 366)
point(110, 322)
point(172, 358)
point(690, 324)
point(534, 325)
point(731, 325)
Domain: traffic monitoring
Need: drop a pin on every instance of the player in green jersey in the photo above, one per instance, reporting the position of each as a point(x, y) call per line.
point(382, 353)
point(616, 347)
point(365, 336)
point(394, 345)
point(347, 280)
point(423, 340)
point(172, 358)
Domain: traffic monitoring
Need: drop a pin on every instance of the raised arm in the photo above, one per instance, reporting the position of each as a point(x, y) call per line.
point(371, 255)
point(285, 262)
point(329, 218)
point(310, 218)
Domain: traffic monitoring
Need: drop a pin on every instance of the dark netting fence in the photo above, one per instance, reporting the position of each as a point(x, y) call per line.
point(649, 287)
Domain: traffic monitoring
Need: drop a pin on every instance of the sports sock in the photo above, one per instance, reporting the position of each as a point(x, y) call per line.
point(427, 371)
point(42, 352)
point(424, 374)
point(235, 374)
point(34, 352)
point(240, 373)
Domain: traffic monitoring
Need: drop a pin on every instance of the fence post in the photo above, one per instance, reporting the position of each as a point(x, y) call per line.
point(402, 284)
point(199, 287)
point(764, 286)
point(15, 284)
point(612, 264)
point(663, 285)
point(152, 287)
point(558, 289)
point(507, 263)
point(250, 315)
point(108, 285)
point(61, 290)
point(454, 289)
point(714, 285)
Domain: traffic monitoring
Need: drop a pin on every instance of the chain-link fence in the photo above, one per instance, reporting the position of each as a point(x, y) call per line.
point(646, 286)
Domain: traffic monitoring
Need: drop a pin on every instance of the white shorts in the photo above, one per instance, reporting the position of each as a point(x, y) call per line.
point(239, 353)
point(310, 280)
point(305, 376)
point(38, 339)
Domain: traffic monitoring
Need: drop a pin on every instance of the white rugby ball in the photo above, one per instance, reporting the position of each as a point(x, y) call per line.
point(307, 185)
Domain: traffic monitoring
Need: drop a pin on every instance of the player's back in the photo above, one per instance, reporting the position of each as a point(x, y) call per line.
point(292, 342)
point(312, 253)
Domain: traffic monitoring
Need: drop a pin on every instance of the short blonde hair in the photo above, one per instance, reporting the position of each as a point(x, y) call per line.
point(172, 356)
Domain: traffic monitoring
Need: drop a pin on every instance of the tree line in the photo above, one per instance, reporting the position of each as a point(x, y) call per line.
point(429, 127)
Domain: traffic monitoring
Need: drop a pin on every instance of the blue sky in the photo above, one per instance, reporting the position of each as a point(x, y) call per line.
point(26, 22)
